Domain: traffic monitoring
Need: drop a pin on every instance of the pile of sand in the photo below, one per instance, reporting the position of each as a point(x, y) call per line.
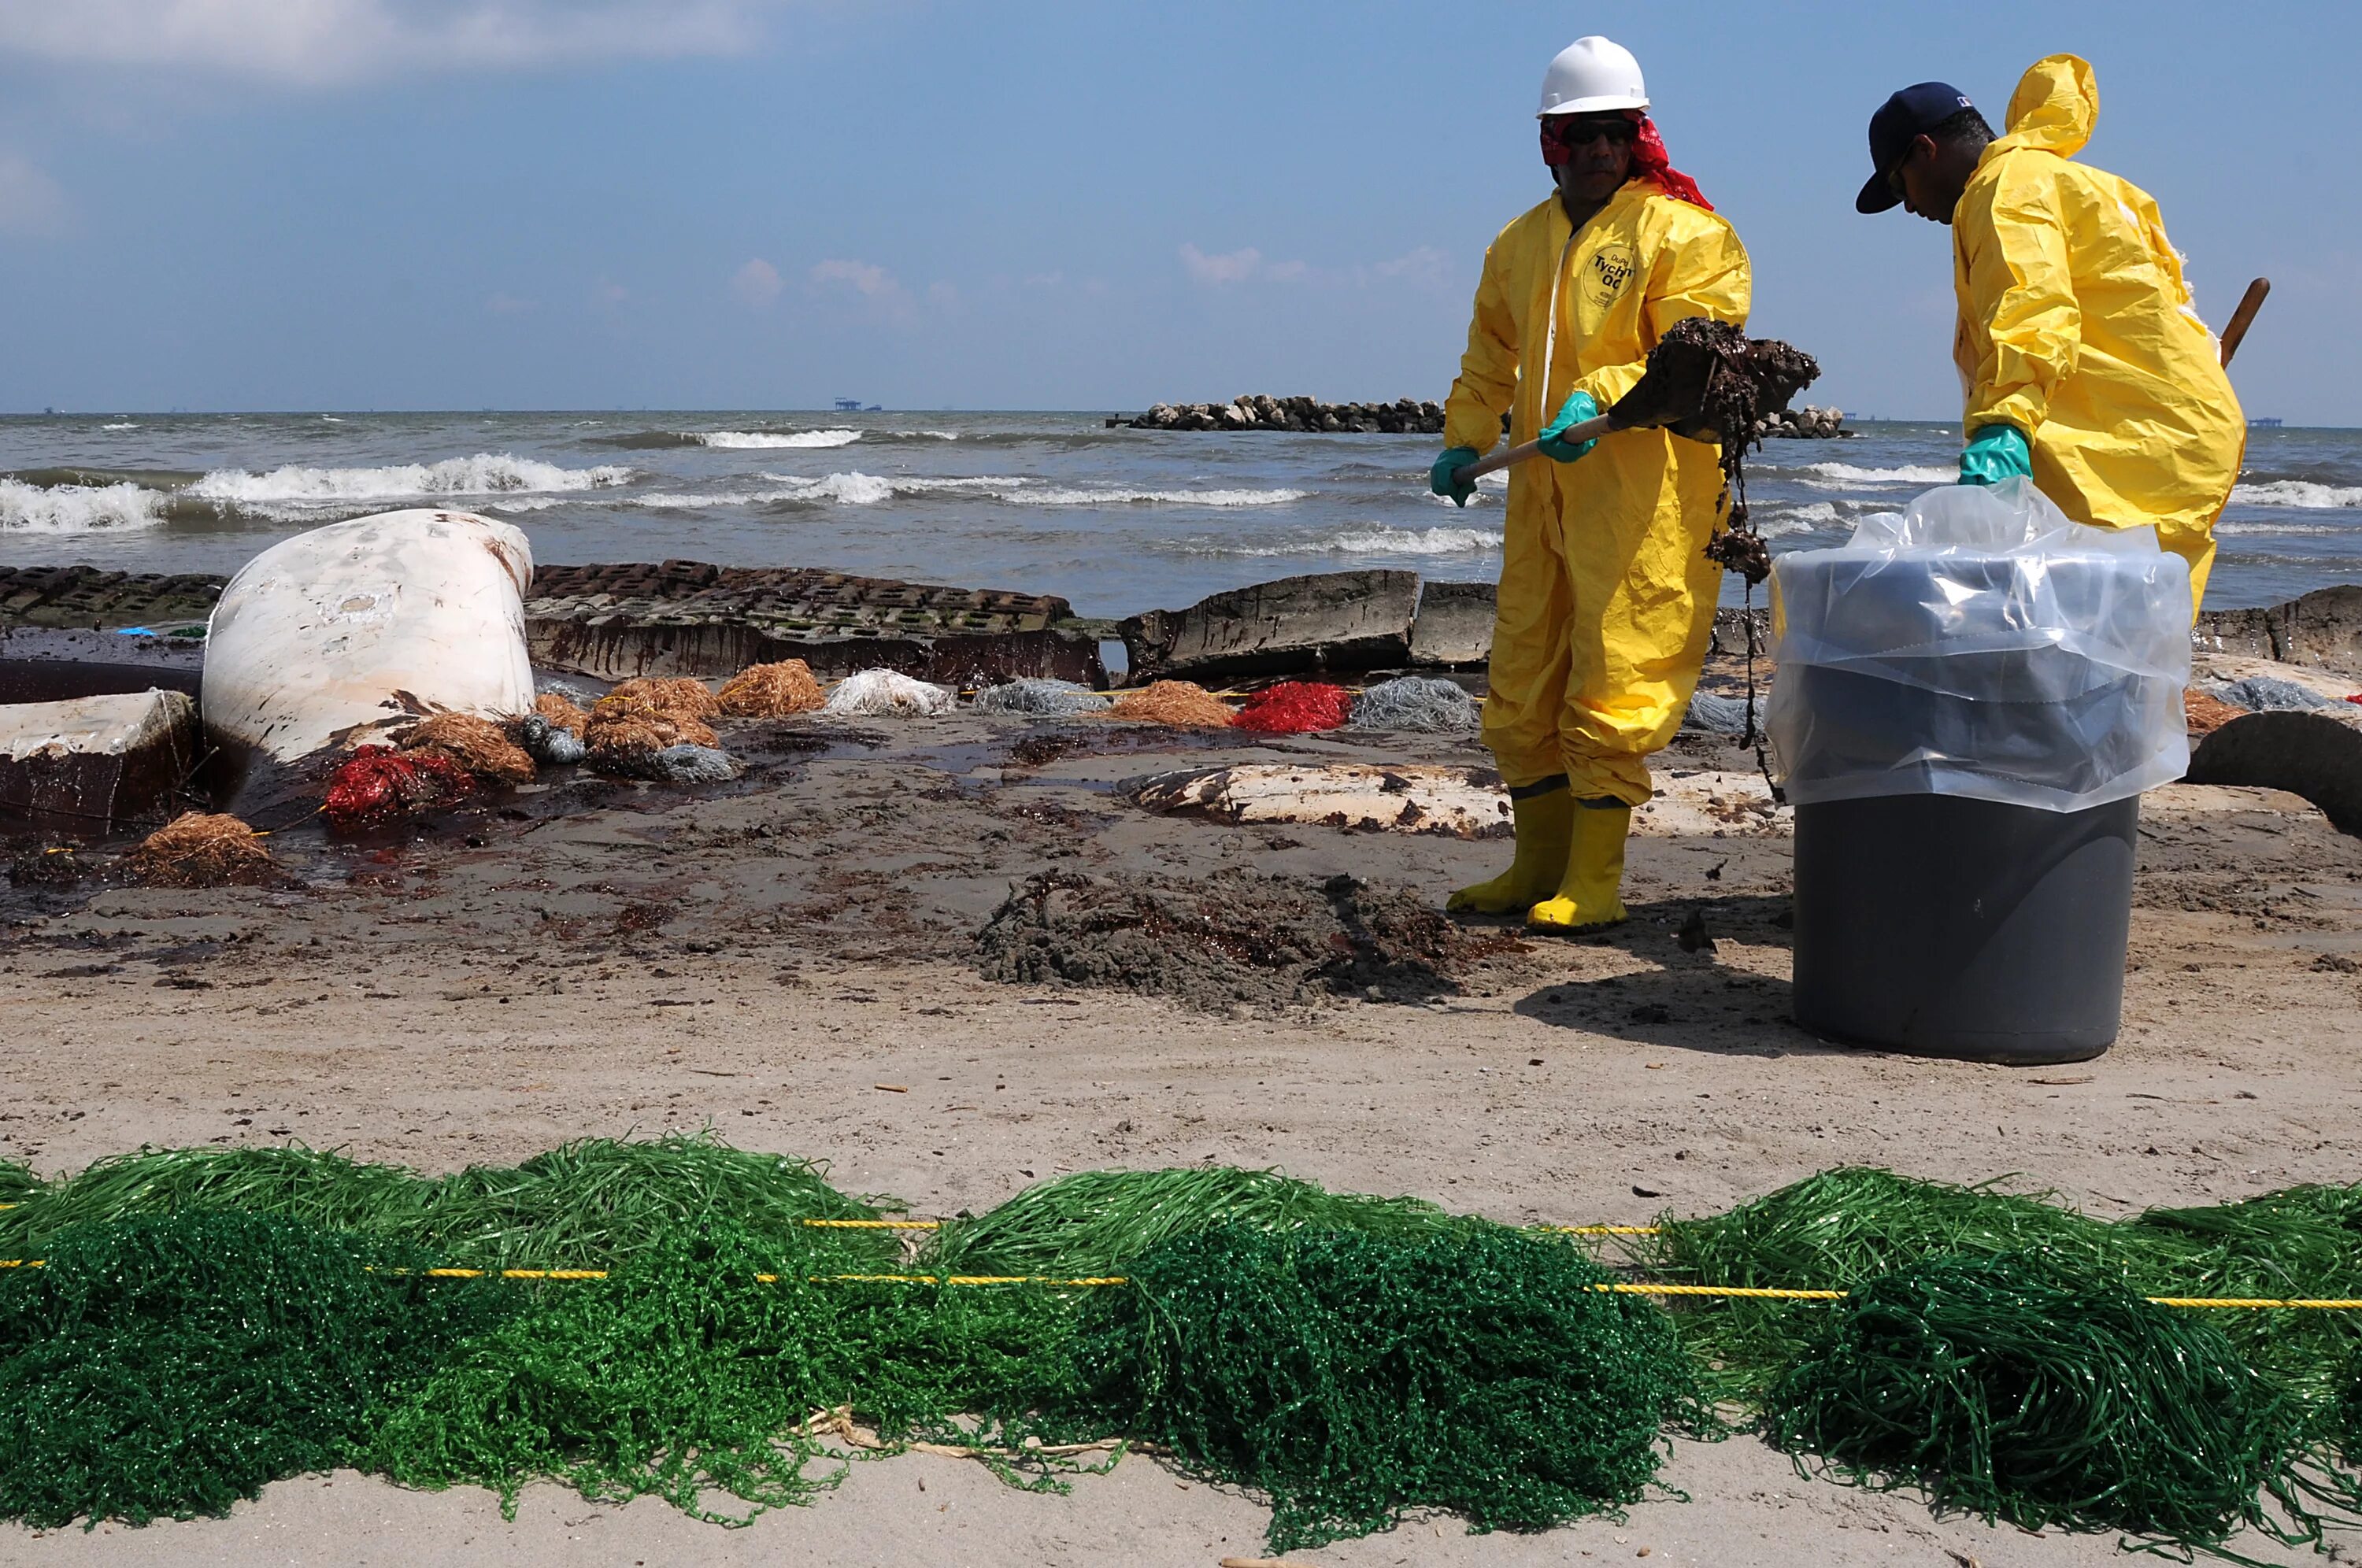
point(1237, 938)
point(196, 849)
point(1184, 704)
point(771, 691)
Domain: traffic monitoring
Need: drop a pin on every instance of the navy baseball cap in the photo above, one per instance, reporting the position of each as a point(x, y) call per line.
point(1910, 112)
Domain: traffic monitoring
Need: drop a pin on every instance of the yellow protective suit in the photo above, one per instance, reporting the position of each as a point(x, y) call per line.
point(1607, 598)
point(2076, 326)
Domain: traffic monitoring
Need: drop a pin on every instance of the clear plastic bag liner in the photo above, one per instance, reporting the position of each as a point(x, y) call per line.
point(1980, 644)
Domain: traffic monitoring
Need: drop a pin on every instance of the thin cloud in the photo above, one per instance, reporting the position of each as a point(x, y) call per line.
point(30, 202)
point(866, 279)
point(319, 41)
point(757, 283)
point(1230, 267)
point(1424, 266)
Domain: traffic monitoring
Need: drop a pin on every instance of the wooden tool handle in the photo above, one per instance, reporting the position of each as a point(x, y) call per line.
point(1589, 430)
point(2244, 317)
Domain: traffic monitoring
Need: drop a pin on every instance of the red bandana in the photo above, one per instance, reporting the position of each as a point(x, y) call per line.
point(1649, 158)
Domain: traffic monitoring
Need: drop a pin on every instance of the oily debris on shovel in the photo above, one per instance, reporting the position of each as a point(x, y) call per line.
point(1708, 380)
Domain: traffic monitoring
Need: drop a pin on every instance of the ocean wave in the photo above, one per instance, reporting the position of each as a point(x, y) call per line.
point(1828, 474)
point(1057, 496)
point(859, 488)
point(750, 439)
point(1781, 522)
point(77, 509)
point(2260, 526)
point(1373, 539)
point(2302, 493)
point(725, 440)
point(295, 492)
point(120, 424)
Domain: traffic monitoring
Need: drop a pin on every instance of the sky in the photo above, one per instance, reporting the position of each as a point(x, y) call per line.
point(768, 204)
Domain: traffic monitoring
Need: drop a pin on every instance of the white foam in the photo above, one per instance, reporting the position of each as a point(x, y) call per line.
point(77, 509)
point(1830, 474)
point(2258, 525)
point(120, 424)
point(1099, 497)
point(1374, 539)
point(297, 491)
point(861, 489)
point(2298, 492)
point(1780, 524)
point(753, 439)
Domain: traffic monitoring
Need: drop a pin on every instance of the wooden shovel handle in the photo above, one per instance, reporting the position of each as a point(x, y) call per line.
point(2241, 318)
point(1590, 429)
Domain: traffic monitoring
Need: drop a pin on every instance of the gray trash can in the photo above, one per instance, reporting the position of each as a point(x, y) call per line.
point(1971, 695)
point(1952, 927)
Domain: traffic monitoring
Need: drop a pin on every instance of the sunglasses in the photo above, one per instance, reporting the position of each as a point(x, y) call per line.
point(1561, 139)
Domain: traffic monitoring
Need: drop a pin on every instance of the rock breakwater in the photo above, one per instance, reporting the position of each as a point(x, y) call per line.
point(1805, 424)
point(1404, 416)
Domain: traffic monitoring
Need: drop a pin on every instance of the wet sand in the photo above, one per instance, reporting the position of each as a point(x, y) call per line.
point(608, 959)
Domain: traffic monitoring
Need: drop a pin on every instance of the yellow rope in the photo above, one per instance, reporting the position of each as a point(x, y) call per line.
point(952, 1279)
point(1736, 1292)
point(2333, 1304)
point(1619, 1287)
point(877, 1224)
point(1601, 1229)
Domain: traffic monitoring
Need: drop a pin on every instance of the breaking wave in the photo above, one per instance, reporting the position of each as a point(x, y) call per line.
point(1372, 540)
point(1055, 496)
point(1779, 523)
point(2298, 492)
point(2260, 526)
point(749, 440)
point(1830, 474)
point(77, 509)
point(297, 491)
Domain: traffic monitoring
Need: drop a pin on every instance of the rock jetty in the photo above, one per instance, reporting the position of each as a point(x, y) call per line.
point(1404, 416)
point(1805, 424)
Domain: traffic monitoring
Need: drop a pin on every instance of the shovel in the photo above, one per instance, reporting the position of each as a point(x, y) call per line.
point(1671, 392)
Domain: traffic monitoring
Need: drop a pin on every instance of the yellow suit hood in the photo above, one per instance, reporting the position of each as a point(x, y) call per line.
point(2055, 107)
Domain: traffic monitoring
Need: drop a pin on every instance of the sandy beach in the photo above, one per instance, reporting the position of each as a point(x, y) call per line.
point(791, 962)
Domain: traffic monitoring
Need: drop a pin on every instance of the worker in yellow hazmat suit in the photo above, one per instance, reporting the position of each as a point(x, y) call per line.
point(1606, 597)
point(2083, 359)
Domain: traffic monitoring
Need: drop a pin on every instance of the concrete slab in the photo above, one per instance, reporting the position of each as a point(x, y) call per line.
point(1327, 620)
point(1454, 628)
point(89, 764)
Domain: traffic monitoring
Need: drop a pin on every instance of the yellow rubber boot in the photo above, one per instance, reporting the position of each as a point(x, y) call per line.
point(1587, 895)
point(1545, 827)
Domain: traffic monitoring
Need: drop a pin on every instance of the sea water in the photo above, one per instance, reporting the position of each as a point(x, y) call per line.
point(1115, 521)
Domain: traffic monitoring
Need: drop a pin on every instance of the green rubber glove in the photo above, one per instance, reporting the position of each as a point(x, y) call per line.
point(1995, 453)
point(1578, 407)
point(1445, 478)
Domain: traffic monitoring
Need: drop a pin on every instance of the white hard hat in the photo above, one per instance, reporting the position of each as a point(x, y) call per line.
point(1590, 75)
